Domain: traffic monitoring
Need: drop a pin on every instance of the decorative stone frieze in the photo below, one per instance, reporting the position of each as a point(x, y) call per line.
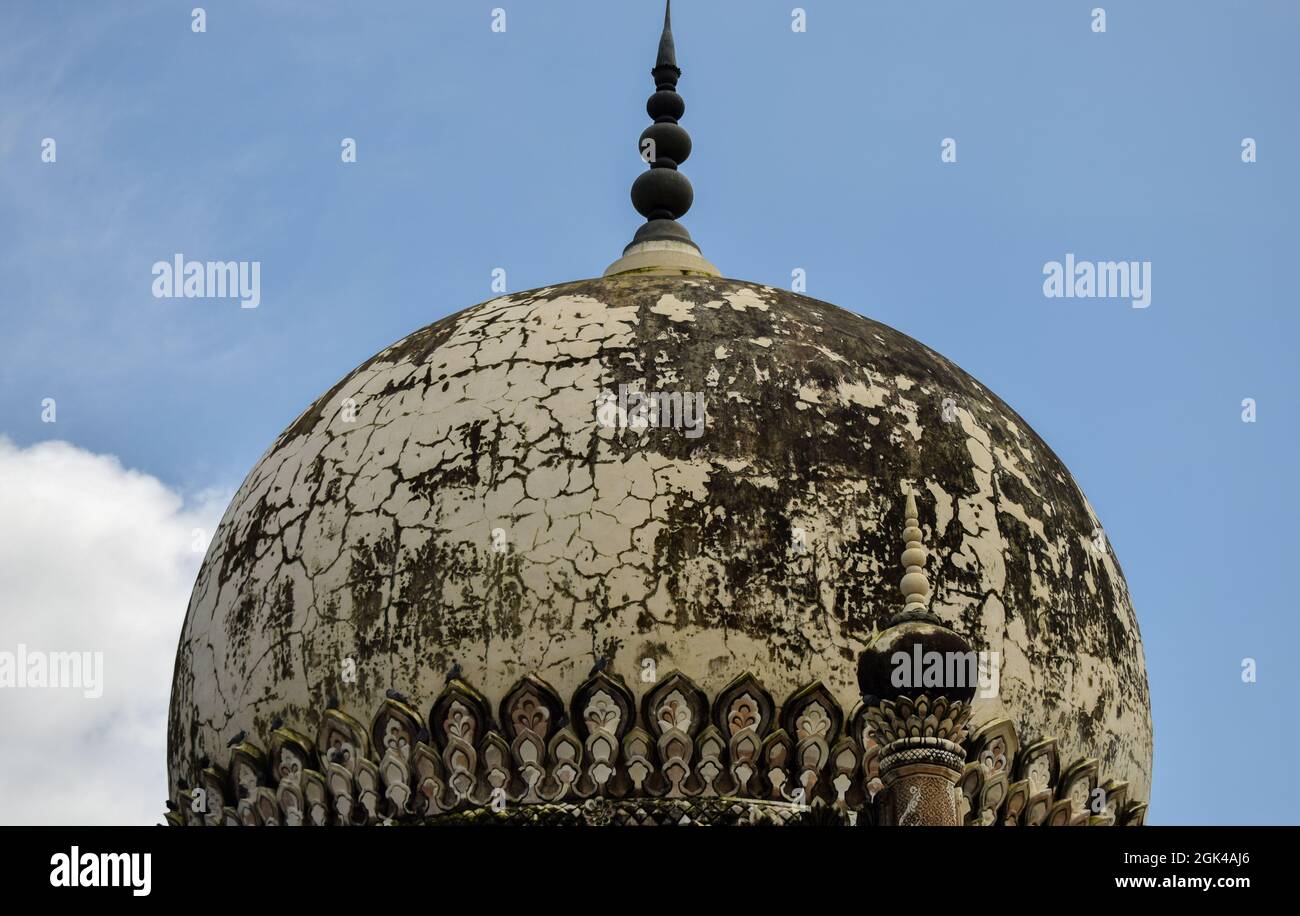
point(598, 757)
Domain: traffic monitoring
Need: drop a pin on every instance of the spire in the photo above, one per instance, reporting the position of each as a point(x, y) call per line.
point(667, 50)
point(663, 194)
point(915, 586)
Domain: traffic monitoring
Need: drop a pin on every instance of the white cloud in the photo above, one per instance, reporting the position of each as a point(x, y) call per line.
point(93, 557)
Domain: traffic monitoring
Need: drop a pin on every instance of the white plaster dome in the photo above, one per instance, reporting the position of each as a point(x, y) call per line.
point(371, 533)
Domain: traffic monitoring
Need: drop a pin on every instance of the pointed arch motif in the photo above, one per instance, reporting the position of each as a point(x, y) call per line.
point(813, 719)
point(458, 719)
point(743, 714)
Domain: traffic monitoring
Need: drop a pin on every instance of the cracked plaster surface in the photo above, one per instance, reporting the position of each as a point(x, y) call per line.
point(373, 540)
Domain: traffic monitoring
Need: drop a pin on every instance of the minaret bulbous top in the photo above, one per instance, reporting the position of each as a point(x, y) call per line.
point(914, 631)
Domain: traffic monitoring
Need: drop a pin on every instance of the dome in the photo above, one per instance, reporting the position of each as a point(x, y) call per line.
point(488, 497)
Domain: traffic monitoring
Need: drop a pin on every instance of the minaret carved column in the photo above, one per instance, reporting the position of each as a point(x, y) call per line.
point(918, 712)
point(920, 761)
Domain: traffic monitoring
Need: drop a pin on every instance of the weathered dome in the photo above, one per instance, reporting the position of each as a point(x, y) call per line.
point(466, 498)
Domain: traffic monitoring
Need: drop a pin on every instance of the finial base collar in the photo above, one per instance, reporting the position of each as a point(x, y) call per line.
point(662, 257)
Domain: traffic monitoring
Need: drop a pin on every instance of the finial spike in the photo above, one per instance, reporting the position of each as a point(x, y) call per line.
point(667, 50)
point(914, 585)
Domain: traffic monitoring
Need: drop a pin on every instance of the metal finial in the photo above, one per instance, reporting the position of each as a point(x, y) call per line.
point(663, 194)
point(915, 585)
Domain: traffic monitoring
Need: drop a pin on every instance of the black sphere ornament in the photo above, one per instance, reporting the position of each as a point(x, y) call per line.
point(662, 194)
point(666, 145)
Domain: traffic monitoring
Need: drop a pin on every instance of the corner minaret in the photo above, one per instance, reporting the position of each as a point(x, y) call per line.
point(918, 719)
point(663, 194)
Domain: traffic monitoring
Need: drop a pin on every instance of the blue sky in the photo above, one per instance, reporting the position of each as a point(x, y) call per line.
point(818, 151)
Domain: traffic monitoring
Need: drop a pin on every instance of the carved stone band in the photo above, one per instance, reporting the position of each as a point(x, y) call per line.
point(934, 751)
